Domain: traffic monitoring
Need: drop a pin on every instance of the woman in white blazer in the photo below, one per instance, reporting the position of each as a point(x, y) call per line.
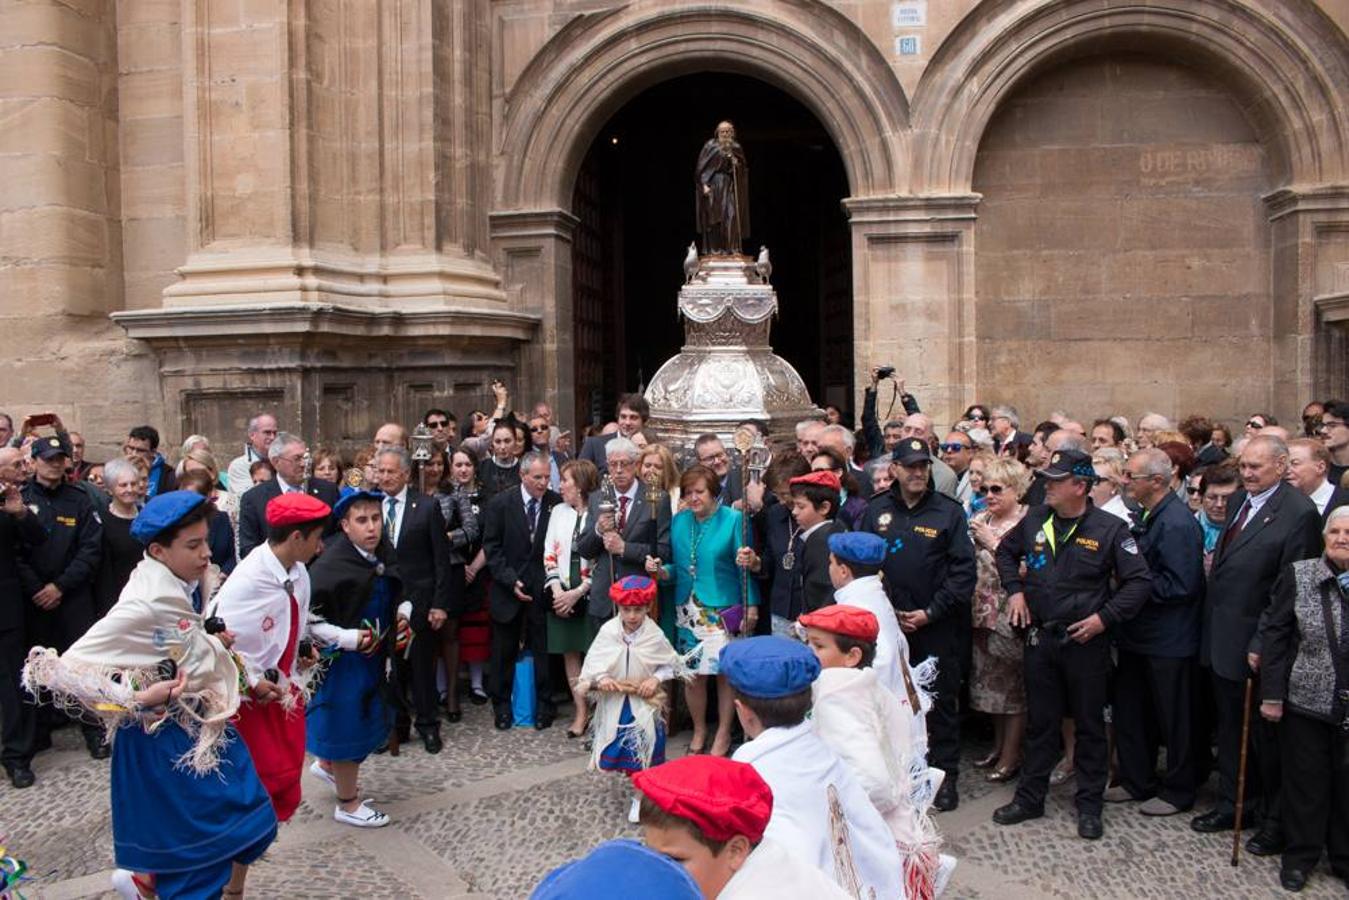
point(567, 578)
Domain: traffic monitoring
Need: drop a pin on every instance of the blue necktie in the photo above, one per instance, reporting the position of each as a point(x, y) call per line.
point(532, 510)
point(392, 505)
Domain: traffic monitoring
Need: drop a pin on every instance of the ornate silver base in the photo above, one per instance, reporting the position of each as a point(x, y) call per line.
point(727, 371)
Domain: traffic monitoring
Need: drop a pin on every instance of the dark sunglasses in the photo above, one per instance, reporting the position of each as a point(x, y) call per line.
point(537, 428)
point(1191, 490)
point(975, 417)
point(994, 488)
point(437, 423)
point(1255, 423)
point(953, 447)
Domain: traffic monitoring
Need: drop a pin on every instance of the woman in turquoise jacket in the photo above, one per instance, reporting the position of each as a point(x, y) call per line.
point(708, 570)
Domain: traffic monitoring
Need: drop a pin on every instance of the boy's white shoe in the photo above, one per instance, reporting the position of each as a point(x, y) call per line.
point(124, 883)
point(363, 817)
point(316, 769)
point(634, 811)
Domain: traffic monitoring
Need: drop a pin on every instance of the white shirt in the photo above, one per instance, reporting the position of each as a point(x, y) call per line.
point(254, 604)
point(803, 773)
point(1255, 501)
point(286, 487)
point(396, 520)
point(771, 873)
point(805, 535)
point(892, 649)
point(1321, 496)
point(525, 498)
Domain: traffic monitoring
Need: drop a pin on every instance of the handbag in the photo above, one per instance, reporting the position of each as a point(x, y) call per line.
point(524, 704)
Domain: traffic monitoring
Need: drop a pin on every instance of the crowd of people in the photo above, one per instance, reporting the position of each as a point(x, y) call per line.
point(1098, 594)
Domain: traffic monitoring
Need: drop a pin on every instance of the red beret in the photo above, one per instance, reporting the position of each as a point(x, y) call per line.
point(295, 508)
point(822, 477)
point(849, 621)
point(634, 590)
point(721, 797)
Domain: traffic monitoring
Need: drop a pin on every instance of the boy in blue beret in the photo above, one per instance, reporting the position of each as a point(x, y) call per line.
point(821, 813)
point(618, 870)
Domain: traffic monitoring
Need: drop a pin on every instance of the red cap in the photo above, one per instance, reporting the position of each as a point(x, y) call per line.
point(721, 797)
point(634, 590)
point(849, 621)
point(822, 477)
point(295, 508)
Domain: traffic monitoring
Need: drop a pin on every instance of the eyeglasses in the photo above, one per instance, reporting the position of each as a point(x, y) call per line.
point(1255, 423)
point(975, 417)
point(538, 428)
point(994, 488)
point(438, 423)
point(715, 457)
point(953, 447)
point(1327, 424)
point(1191, 490)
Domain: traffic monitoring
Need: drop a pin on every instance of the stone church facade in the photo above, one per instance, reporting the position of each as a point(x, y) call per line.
point(349, 209)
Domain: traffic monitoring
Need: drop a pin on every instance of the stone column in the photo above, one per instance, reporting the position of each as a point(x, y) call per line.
point(1310, 294)
point(913, 295)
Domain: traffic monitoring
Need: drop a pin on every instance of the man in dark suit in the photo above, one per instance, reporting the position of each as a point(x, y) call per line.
point(1269, 525)
point(19, 530)
point(1308, 471)
point(633, 411)
point(432, 585)
point(712, 453)
point(514, 523)
point(620, 542)
point(1005, 424)
point(287, 455)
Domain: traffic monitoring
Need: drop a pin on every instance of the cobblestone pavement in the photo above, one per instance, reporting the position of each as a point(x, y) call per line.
point(493, 812)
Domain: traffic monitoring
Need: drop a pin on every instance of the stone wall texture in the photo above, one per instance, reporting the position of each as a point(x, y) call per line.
point(338, 209)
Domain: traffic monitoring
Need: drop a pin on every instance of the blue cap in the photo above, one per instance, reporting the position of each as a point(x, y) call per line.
point(861, 547)
point(769, 667)
point(341, 506)
point(618, 870)
point(162, 512)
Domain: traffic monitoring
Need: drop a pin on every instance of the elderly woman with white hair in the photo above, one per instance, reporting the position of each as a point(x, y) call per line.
point(1304, 686)
point(1108, 491)
point(121, 553)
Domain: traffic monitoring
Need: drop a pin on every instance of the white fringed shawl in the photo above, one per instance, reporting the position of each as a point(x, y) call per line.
point(610, 655)
point(152, 620)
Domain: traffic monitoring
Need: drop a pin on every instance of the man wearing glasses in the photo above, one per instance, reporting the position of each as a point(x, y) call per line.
point(957, 451)
point(442, 425)
point(540, 436)
point(287, 455)
point(1334, 431)
point(712, 453)
point(143, 443)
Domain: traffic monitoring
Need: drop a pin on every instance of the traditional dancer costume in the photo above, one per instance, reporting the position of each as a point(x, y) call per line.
point(352, 711)
point(619, 870)
point(821, 813)
point(872, 733)
point(628, 731)
point(723, 799)
point(186, 801)
point(267, 608)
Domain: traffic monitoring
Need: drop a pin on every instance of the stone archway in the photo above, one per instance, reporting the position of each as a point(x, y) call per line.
point(598, 62)
point(1287, 65)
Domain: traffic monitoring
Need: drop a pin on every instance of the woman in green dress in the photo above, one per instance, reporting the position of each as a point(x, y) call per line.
point(714, 600)
point(567, 577)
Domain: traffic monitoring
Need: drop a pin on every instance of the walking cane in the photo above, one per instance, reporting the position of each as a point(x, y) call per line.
point(1241, 771)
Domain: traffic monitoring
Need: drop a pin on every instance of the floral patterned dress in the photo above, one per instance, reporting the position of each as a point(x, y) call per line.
point(998, 683)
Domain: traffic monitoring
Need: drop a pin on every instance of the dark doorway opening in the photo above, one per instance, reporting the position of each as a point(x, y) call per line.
point(634, 201)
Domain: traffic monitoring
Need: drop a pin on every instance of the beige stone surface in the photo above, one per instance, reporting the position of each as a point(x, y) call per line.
point(1084, 203)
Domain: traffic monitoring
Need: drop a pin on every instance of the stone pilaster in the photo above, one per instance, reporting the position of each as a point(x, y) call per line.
point(913, 295)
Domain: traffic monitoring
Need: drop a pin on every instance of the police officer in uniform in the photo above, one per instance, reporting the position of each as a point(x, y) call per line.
point(929, 574)
point(58, 574)
point(1084, 574)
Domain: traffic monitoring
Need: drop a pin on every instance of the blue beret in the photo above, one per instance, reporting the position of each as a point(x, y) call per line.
point(349, 497)
point(618, 870)
point(162, 512)
point(860, 547)
point(769, 667)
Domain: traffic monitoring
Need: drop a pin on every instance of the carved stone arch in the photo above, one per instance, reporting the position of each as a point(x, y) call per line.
point(1288, 63)
point(598, 62)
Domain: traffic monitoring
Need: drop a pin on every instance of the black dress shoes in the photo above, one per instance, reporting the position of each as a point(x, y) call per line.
point(1292, 880)
point(1014, 814)
point(504, 721)
point(431, 741)
point(947, 797)
point(1265, 843)
point(21, 776)
point(542, 722)
point(477, 697)
point(98, 748)
point(1089, 826)
point(1216, 820)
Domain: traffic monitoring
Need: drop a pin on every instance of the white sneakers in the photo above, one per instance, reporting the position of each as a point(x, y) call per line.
point(322, 774)
point(634, 811)
point(363, 817)
point(124, 883)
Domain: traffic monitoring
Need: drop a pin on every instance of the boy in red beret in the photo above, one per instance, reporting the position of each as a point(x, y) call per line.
point(866, 725)
point(625, 665)
point(815, 502)
point(266, 604)
point(709, 814)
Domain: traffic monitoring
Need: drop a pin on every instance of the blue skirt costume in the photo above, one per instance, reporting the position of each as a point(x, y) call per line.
point(618, 758)
point(347, 718)
point(187, 830)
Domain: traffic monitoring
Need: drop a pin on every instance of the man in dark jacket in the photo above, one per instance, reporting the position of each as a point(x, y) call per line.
point(929, 576)
point(19, 532)
point(1073, 553)
point(1269, 526)
point(287, 455)
point(1158, 647)
point(58, 575)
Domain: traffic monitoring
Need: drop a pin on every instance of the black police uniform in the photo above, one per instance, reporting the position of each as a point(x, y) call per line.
point(69, 559)
point(1090, 566)
point(929, 565)
point(17, 535)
